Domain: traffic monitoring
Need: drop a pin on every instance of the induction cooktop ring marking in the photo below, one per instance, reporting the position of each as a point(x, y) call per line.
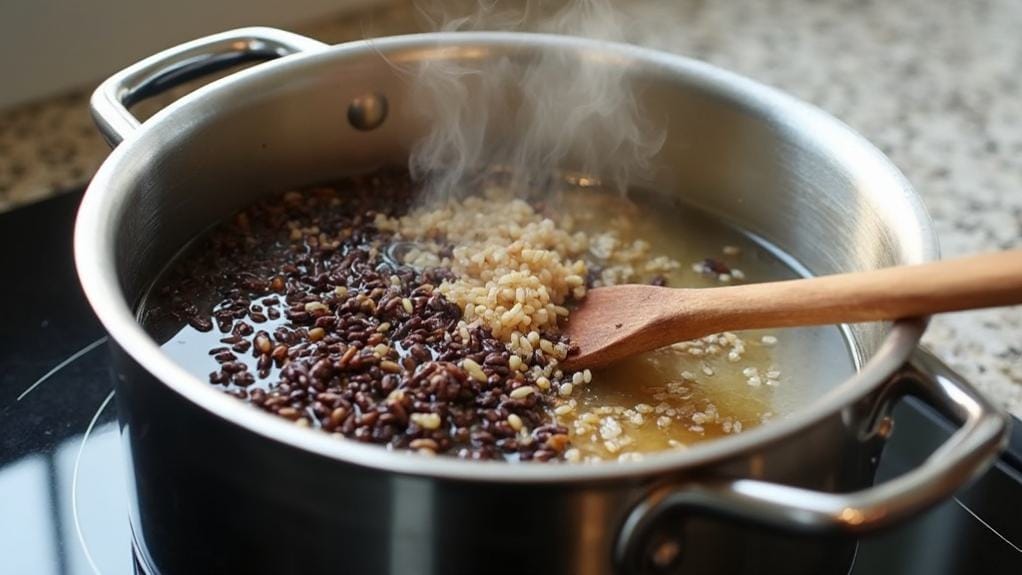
point(987, 525)
point(73, 358)
point(74, 483)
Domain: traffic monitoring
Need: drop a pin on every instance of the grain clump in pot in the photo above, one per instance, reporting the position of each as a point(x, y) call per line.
point(513, 270)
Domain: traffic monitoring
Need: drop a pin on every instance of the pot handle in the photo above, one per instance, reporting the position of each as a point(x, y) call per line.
point(967, 453)
point(181, 63)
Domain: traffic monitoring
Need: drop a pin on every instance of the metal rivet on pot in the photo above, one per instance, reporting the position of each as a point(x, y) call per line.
point(367, 112)
point(885, 427)
point(664, 555)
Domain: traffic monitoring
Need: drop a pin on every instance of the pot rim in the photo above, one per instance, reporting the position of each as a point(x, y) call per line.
point(103, 203)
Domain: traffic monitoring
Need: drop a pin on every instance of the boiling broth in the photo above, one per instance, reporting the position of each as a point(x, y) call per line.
point(670, 398)
point(696, 395)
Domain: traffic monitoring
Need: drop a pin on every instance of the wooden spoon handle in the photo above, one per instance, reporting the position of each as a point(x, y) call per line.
point(967, 283)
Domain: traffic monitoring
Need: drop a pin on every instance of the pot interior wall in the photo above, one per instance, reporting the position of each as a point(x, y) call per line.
point(758, 159)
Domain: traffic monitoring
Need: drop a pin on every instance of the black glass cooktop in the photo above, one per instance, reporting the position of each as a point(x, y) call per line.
point(63, 508)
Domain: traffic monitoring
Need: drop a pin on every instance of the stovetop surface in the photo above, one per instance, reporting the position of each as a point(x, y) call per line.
point(63, 496)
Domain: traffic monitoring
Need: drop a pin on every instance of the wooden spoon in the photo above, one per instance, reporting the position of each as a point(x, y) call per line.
point(615, 322)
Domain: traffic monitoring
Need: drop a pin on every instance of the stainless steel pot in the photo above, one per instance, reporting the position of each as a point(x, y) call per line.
point(220, 487)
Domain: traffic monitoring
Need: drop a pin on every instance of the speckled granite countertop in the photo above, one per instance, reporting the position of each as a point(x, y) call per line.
point(935, 84)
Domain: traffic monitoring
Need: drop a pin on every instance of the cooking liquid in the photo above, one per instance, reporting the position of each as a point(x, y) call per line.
point(667, 399)
point(673, 398)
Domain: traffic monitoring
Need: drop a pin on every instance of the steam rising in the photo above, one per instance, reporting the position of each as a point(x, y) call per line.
point(534, 118)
